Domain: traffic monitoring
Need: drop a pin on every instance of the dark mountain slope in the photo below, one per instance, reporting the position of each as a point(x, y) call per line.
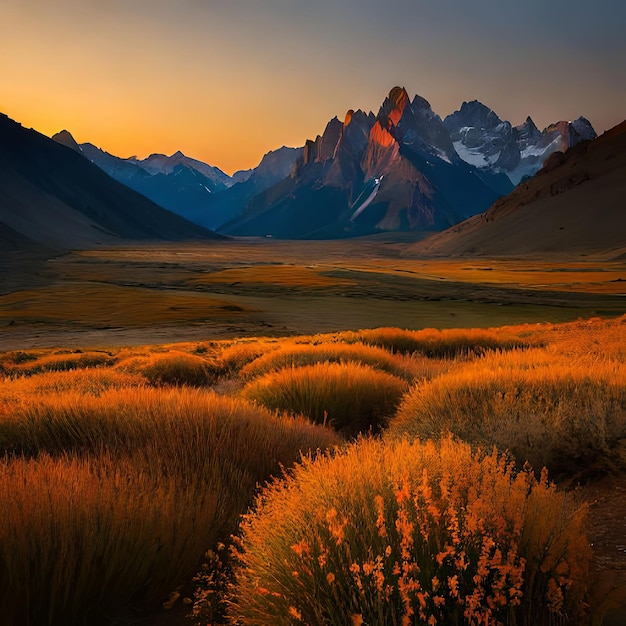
point(51, 195)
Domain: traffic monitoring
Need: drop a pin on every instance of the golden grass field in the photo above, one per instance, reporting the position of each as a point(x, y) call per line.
point(154, 294)
point(372, 417)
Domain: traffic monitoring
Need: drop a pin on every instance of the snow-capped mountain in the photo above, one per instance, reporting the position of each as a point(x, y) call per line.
point(163, 164)
point(186, 186)
point(176, 183)
point(574, 205)
point(397, 170)
point(274, 166)
point(482, 139)
point(403, 168)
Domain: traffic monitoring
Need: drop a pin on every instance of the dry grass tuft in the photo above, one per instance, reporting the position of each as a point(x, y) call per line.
point(433, 343)
point(26, 364)
point(240, 353)
point(350, 397)
point(564, 415)
point(83, 539)
point(124, 491)
point(172, 368)
point(300, 355)
point(21, 391)
point(404, 533)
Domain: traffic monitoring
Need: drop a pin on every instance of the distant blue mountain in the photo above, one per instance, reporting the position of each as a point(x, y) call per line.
point(53, 198)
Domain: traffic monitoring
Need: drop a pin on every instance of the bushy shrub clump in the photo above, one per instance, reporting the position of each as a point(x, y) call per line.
point(172, 368)
point(186, 425)
point(26, 364)
point(433, 343)
point(239, 354)
point(111, 499)
point(89, 381)
point(555, 415)
point(19, 391)
point(405, 533)
point(298, 355)
point(350, 397)
point(82, 539)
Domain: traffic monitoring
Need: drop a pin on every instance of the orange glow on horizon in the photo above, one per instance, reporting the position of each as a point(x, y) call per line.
point(226, 85)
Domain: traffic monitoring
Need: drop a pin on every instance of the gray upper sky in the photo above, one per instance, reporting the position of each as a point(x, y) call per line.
point(227, 80)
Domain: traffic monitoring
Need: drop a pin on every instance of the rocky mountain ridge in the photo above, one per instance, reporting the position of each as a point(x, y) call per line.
point(396, 170)
point(402, 169)
point(187, 186)
point(574, 205)
point(482, 139)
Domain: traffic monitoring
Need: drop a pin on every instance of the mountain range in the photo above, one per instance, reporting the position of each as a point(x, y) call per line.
point(481, 138)
point(187, 186)
point(402, 169)
point(576, 204)
point(54, 198)
point(397, 170)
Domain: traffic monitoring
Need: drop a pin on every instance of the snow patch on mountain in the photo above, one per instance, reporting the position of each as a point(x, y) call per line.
point(485, 141)
point(472, 156)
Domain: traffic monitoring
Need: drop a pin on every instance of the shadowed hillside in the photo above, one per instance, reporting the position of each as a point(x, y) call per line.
point(575, 204)
point(52, 197)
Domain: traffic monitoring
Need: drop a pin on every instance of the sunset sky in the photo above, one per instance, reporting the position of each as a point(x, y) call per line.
point(227, 80)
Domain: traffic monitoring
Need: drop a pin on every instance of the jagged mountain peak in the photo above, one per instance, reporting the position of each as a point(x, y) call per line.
point(392, 108)
point(583, 128)
point(472, 114)
point(572, 206)
point(65, 138)
point(529, 127)
point(482, 139)
point(394, 170)
point(419, 102)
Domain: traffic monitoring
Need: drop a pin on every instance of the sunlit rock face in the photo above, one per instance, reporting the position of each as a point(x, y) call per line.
point(396, 170)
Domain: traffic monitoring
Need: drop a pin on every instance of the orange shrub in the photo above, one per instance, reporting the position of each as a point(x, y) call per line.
point(435, 343)
point(185, 425)
point(600, 337)
point(350, 397)
point(563, 416)
point(142, 482)
point(172, 368)
point(238, 354)
point(82, 540)
point(26, 364)
point(21, 391)
point(404, 533)
point(91, 380)
point(294, 355)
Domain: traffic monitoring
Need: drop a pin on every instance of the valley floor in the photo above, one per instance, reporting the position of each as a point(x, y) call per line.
point(148, 294)
point(142, 293)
